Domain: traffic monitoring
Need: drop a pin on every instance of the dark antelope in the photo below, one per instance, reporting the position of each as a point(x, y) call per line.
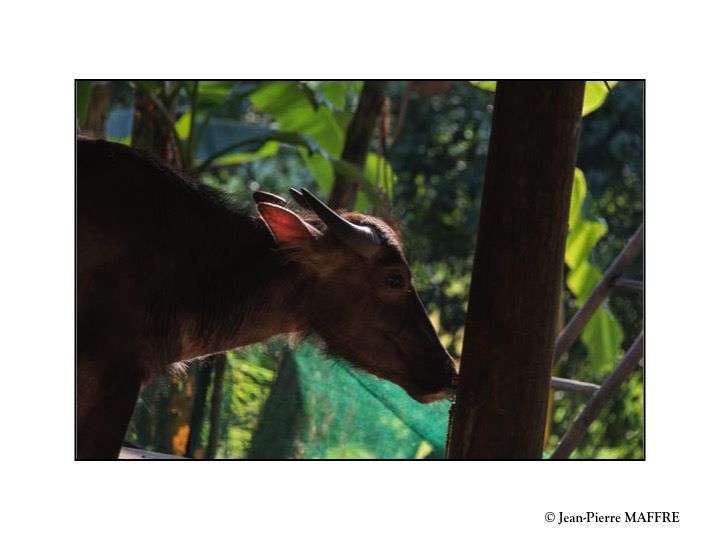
point(167, 272)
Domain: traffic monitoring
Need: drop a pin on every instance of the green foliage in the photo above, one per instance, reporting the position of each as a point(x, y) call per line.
point(301, 110)
point(603, 334)
point(312, 119)
point(611, 157)
point(294, 111)
point(248, 383)
point(291, 108)
point(82, 99)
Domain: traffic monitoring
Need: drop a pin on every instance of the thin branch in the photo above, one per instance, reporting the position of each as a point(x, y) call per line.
point(190, 150)
point(401, 115)
point(632, 284)
point(592, 410)
point(163, 113)
point(573, 329)
point(558, 383)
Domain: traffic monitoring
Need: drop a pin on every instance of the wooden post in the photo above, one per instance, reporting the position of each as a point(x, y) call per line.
point(510, 325)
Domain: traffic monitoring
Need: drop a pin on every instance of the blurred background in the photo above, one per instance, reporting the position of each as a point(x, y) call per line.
point(425, 167)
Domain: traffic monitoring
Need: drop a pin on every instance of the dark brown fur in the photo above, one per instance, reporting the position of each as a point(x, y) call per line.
point(167, 271)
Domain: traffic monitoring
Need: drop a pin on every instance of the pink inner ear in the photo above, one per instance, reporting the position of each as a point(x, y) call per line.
point(286, 226)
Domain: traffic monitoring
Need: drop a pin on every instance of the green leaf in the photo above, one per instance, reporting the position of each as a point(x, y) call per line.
point(379, 171)
point(596, 93)
point(83, 89)
point(214, 93)
point(336, 92)
point(579, 191)
point(491, 86)
point(260, 136)
point(182, 126)
point(584, 234)
point(603, 337)
point(582, 240)
point(268, 149)
point(343, 119)
point(582, 280)
point(319, 133)
point(321, 168)
point(290, 106)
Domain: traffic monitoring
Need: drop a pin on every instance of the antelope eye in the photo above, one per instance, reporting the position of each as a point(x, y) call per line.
point(395, 281)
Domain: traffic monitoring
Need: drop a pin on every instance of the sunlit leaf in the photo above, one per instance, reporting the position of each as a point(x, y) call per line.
point(379, 171)
point(582, 279)
point(321, 169)
point(335, 92)
point(579, 190)
point(596, 93)
point(268, 149)
point(603, 334)
point(485, 85)
point(603, 337)
point(289, 105)
point(182, 126)
point(581, 240)
point(424, 450)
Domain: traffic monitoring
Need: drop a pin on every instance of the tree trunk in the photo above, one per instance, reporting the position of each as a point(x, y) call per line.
point(218, 379)
point(510, 325)
point(98, 109)
point(357, 142)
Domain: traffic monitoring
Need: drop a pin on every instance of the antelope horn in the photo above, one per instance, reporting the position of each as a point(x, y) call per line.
point(299, 198)
point(361, 239)
point(264, 196)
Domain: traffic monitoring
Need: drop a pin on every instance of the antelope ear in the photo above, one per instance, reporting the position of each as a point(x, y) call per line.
point(285, 225)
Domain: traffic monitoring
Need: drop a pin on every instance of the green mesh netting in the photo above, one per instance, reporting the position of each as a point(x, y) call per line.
point(320, 408)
